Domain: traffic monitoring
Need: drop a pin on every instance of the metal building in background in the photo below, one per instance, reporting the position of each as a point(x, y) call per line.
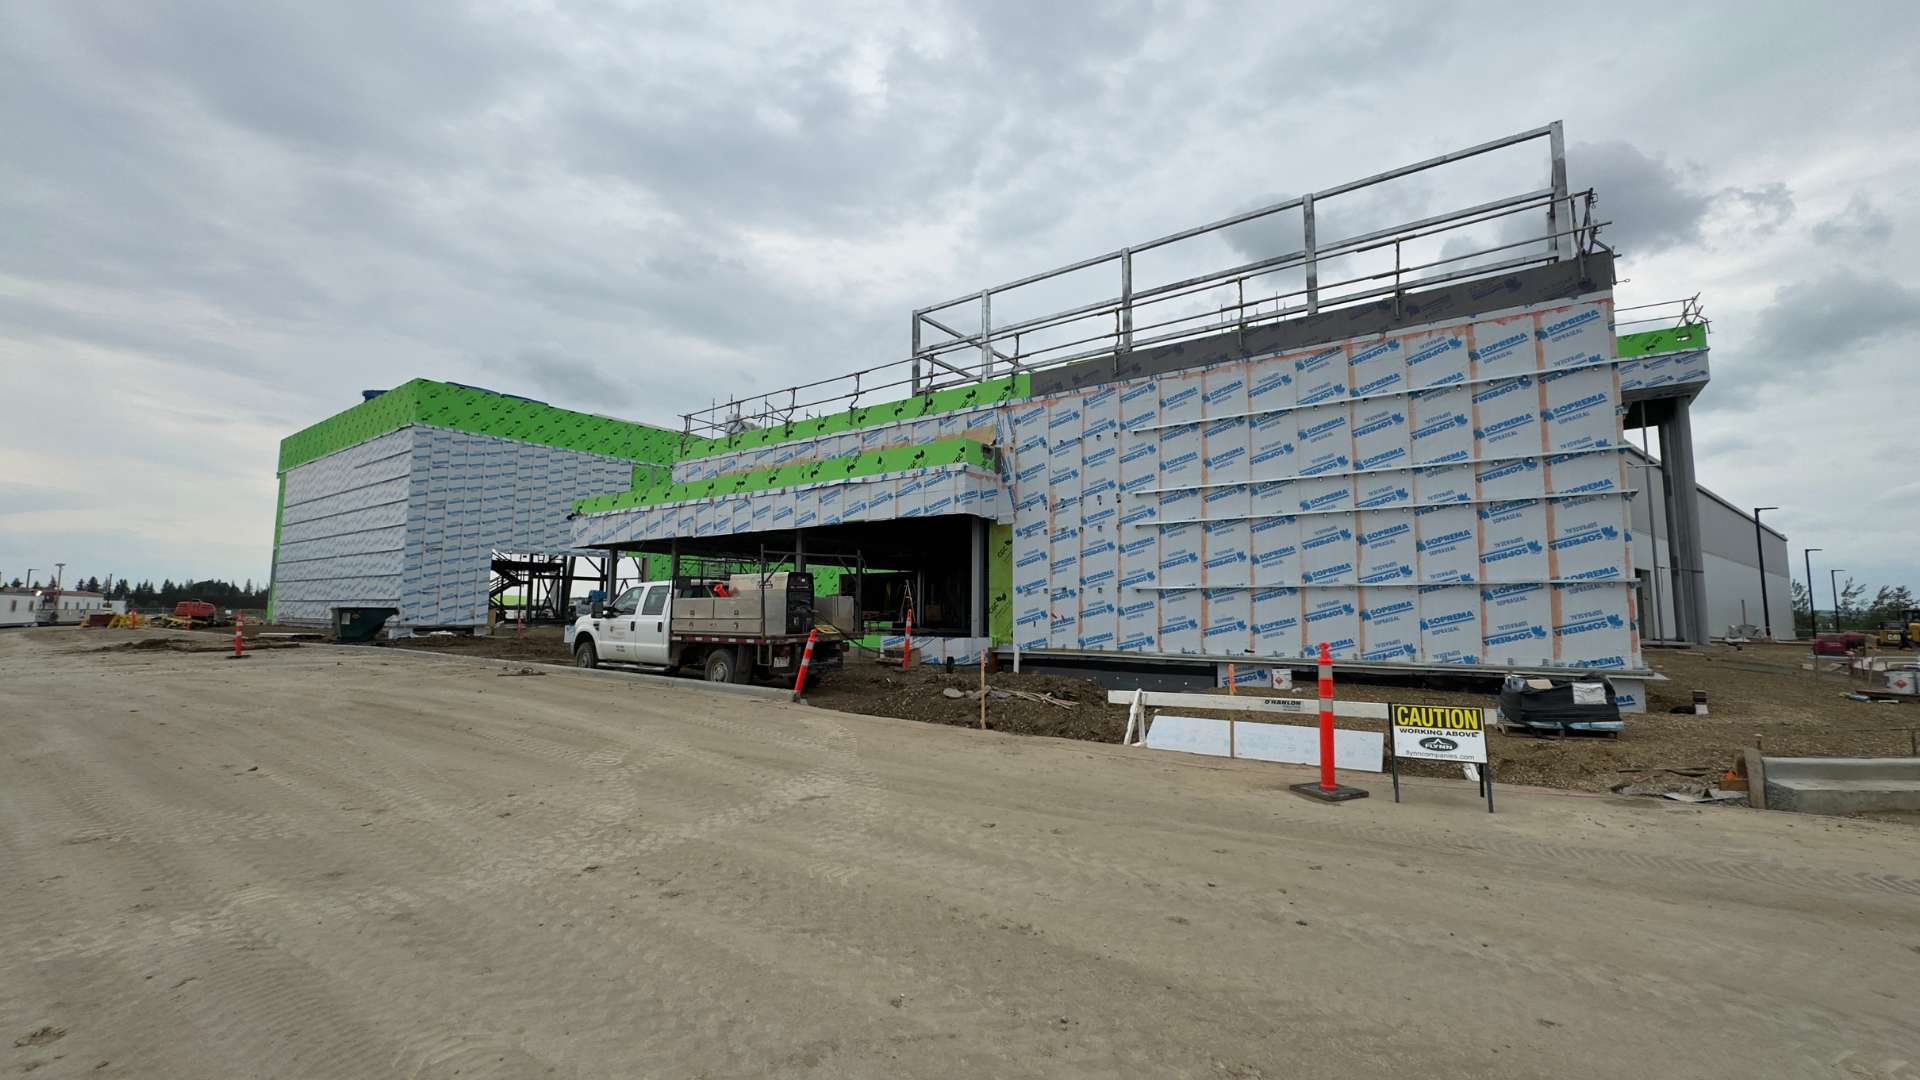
point(1730, 562)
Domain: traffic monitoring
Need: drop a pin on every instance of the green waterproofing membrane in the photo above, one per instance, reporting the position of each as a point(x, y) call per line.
point(1673, 339)
point(953, 399)
point(479, 412)
point(1000, 583)
point(826, 579)
point(871, 463)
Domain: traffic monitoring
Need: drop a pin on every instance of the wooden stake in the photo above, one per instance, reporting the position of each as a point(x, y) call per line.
point(983, 688)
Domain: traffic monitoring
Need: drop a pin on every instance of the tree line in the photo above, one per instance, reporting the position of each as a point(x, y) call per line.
point(146, 596)
point(1890, 603)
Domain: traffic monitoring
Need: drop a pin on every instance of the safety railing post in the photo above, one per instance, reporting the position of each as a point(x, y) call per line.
point(986, 335)
point(1557, 148)
point(1309, 246)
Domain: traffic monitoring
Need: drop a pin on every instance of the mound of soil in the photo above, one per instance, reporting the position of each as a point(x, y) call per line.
point(190, 645)
point(543, 649)
point(875, 689)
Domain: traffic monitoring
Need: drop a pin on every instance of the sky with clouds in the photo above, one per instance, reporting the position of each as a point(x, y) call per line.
point(223, 220)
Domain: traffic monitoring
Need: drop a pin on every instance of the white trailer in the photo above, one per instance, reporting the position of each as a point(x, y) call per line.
point(70, 607)
point(19, 607)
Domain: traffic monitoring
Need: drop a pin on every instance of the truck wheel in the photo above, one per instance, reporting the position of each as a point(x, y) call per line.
point(720, 665)
point(585, 655)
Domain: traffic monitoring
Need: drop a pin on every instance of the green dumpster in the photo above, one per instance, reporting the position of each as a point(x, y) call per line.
point(352, 625)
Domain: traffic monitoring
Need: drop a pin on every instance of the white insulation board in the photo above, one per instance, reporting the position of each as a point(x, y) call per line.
point(1451, 493)
point(1293, 744)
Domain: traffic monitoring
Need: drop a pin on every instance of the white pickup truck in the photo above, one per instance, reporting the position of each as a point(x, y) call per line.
point(735, 630)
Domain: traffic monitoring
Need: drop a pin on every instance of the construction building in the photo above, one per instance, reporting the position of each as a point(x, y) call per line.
point(1408, 443)
point(438, 500)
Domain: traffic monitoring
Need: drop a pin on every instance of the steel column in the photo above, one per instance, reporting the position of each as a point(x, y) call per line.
point(1684, 541)
point(1557, 147)
point(986, 335)
point(1760, 557)
point(1313, 267)
point(977, 580)
point(1813, 606)
point(916, 354)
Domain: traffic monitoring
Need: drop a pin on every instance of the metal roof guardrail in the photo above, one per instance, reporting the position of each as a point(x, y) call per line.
point(1137, 318)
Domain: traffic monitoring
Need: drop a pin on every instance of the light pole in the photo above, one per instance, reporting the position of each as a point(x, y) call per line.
point(1813, 610)
point(59, 571)
point(1833, 577)
point(1760, 553)
point(30, 578)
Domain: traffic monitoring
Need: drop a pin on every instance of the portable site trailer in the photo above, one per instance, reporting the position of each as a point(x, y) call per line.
point(70, 607)
point(18, 607)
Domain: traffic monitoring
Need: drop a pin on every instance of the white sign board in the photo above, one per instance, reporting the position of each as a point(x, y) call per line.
point(1438, 733)
point(1285, 743)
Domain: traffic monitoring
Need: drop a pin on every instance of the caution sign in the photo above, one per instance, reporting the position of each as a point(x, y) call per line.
point(1438, 733)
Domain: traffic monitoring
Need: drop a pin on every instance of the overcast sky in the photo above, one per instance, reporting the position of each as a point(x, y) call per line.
point(219, 222)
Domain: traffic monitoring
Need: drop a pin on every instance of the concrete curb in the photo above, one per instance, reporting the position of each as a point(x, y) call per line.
point(767, 692)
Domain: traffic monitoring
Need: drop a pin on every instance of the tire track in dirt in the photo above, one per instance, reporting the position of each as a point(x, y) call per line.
point(248, 991)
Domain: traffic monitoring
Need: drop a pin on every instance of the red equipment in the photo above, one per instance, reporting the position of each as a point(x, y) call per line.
point(1839, 644)
point(194, 609)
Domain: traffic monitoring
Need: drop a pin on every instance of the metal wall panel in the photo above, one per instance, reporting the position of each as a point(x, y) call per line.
point(343, 530)
point(411, 520)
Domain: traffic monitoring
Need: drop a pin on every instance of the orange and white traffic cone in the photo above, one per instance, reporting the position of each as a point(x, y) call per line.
point(906, 661)
point(806, 661)
point(1327, 789)
point(239, 637)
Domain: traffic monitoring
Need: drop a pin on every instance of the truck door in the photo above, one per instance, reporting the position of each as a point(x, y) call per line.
point(650, 626)
point(617, 629)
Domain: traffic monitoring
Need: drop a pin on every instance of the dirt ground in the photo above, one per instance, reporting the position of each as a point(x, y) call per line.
point(1757, 695)
point(331, 862)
